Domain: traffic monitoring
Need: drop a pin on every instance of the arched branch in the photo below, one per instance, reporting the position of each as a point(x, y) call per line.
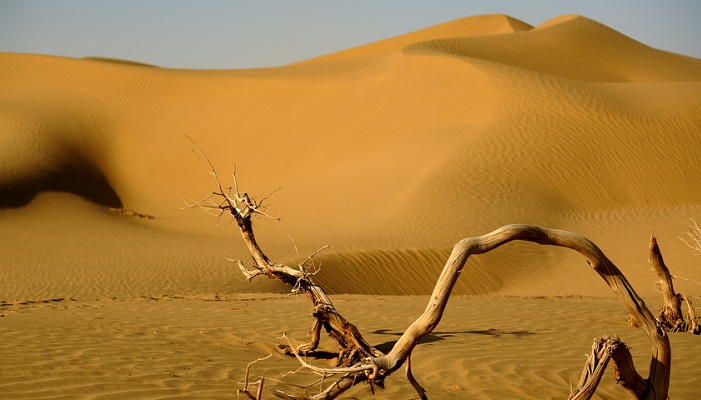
point(655, 386)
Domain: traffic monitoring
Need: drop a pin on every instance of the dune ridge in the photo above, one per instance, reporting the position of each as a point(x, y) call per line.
point(557, 47)
point(389, 152)
point(481, 25)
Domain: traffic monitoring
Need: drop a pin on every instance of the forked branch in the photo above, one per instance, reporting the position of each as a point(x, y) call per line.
point(246, 383)
point(242, 208)
point(359, 362)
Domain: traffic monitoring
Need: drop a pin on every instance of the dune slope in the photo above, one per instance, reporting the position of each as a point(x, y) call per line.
point(389, 152)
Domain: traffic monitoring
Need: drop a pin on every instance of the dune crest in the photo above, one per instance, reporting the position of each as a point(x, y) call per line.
point(557, 20)
point(571, 47)
point(389, 152)
point(481, 25)
point(119, 61)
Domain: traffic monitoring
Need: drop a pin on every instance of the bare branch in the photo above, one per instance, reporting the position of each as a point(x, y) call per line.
point(671, 317)
point(233, 176)
point(249, 274)
point(301, 265)
point(414, 383)
point(594, 369)
point(358, 361)
point(692, 238)
point(246, 383)
point(269, 195)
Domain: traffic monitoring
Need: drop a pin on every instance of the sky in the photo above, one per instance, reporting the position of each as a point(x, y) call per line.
point(218, 34)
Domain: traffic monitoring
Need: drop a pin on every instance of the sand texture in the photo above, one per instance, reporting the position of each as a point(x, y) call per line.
point(389, 153)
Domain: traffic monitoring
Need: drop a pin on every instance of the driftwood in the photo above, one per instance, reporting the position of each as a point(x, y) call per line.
point(359, 362)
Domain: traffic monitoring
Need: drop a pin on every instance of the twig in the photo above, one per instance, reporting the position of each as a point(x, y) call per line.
point(312, 256)
point(693, 237)
point(260, 382)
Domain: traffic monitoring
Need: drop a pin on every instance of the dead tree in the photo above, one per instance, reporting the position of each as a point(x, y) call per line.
point(613, 349)
point(359, 362)
point(671, 317)
point(228, 200)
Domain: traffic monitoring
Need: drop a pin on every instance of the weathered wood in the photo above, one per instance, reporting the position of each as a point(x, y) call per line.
point(353, 347)
point(605, 349)
point(671, 316)
point(360, 362)
point(660, 364)
point(376, 368)
point(594, 369)
point(626, 375)
point(242, 208)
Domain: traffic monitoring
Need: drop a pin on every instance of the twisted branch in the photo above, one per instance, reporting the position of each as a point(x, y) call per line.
point(240, 206)
point(360, 362)
point(655, 386)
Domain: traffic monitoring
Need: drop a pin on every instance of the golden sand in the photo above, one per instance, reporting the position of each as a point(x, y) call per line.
point(389, 153)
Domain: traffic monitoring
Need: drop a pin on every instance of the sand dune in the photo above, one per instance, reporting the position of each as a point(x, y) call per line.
point(389, 153)
point(409, 143)
point(538, 120)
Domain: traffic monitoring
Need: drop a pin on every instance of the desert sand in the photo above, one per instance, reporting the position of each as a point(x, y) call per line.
point(111, 287)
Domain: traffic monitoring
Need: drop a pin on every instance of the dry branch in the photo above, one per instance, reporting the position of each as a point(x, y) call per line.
point(603, 350)
point(246, 384)
point(228, 200)
point(671, 316)
point(594, 368)
point(359, 362)
point(661, 355)
point(656, 386)
point(692, 238)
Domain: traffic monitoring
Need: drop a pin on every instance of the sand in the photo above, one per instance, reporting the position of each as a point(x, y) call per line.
point(110, 287)
point(198, 346)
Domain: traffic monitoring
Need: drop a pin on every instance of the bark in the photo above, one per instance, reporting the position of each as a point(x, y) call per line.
point(671, 316)
point(607, 349)
point(594, 368)
point(353, 347)
point(626, 375)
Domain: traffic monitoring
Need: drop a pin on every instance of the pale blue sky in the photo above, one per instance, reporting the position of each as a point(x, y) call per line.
point(263, 33)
